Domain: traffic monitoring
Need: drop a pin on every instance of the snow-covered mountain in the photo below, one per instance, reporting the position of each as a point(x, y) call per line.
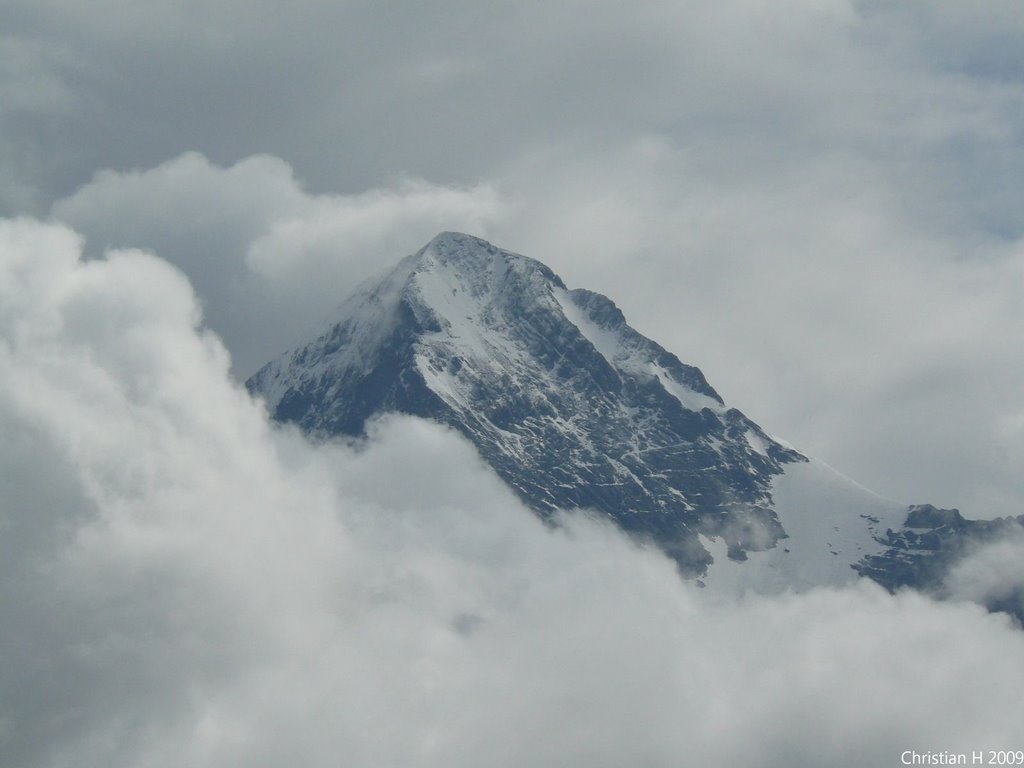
point(575, 409)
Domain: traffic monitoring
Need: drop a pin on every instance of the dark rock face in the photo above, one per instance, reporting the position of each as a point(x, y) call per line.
point(568, 404)
point(931, 542)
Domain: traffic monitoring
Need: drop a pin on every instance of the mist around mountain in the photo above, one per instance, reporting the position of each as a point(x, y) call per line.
point(184, 582)
point(574, 409)
point(818, 202)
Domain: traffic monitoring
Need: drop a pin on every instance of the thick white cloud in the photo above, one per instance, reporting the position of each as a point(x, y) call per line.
point(816, 201)
point(185, 584)
point(269, 260)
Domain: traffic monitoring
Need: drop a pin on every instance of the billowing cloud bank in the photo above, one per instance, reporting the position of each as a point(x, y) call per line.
point(182, 584)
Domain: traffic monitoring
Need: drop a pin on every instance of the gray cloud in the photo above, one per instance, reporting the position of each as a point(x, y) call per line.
point(817, 202)
point(993, 574)
point(819, 206)
point(807, 324)
point(351, 95)
point(202, 588)
point(269, 260)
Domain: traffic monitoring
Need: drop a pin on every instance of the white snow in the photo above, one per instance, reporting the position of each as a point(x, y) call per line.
point(826, 516)
point(371, 315)
point(610, 345)
point(691, 400)
point(756, 442)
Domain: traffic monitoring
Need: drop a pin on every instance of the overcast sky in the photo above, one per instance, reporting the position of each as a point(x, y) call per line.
point(818, 202)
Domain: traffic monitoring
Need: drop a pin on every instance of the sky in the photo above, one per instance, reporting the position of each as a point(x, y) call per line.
point(816, 202)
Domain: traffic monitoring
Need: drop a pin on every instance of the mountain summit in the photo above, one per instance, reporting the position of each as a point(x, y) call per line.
point(573, 409)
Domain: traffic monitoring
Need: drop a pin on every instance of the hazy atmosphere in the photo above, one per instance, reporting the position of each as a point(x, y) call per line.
point(816, 202)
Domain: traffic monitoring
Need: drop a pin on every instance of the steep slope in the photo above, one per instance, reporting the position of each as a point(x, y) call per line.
point(573, 409)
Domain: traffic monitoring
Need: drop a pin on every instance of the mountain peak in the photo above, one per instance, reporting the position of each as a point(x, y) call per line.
point(456, 249)
point(473, 263)
point(573, 408)
point(450, 240)
point(568, 404)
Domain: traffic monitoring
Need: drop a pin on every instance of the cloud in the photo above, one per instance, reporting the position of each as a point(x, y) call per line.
point(819, 206)
point(352, 95)
point(185, 584)
point(804, 323)
point(269, 260)
point(32, 91)
point(816, 202)
point(992, 575)
point(809, 301)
